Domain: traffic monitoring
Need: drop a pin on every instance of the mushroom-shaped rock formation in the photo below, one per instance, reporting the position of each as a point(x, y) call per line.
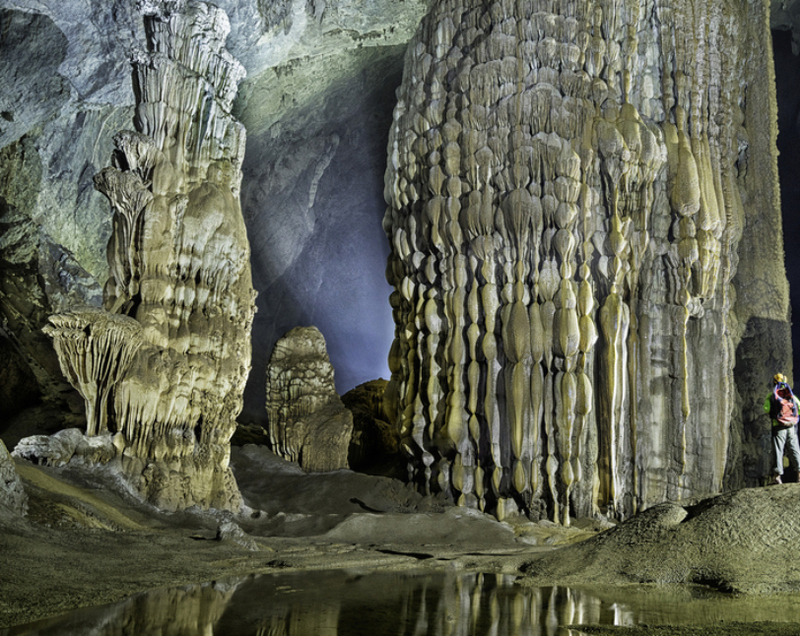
point(308, 423)
point(565, 208)
point(95, 349)
point(179, 261)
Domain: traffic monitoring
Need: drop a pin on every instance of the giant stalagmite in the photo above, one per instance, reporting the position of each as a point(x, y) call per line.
point(568, 184)
point(170, 385)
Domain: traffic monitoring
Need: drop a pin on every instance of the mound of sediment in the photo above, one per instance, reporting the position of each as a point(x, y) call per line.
point(743, 541)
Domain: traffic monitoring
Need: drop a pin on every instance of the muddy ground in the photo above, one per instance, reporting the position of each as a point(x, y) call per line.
point(82, 544)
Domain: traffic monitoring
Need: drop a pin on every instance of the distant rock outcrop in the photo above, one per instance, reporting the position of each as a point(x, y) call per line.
point(308, 423)
point(374, 439)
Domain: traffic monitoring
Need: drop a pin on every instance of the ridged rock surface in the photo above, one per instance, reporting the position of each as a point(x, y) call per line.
point(568, 186)
point(164, 365)
point(308, 423)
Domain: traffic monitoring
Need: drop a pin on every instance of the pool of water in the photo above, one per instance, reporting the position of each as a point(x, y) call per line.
point(355, 603)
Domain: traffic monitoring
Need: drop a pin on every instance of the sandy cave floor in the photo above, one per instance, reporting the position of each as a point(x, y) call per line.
point(83, 545)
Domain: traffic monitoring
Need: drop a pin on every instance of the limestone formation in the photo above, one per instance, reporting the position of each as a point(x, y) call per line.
point(12, 493)
point(67, 445)
point(230, 531)
point(316, 104)
point(565, 187)
point(164, 365)
point(307, 422)
point(740, 542)
point(95, 350)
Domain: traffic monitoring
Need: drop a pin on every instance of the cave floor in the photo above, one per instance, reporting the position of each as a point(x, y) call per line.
point(83, 544)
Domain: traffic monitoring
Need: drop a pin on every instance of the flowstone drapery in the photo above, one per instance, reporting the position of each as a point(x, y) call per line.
point(565, 203)
point(180, 272)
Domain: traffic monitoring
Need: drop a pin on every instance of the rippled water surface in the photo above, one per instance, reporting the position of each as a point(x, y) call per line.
point(350, 603)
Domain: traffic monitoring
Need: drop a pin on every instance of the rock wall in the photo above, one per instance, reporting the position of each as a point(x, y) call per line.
point(568, 187)
point(785, 16)
point(38, 278)
point(164, 364)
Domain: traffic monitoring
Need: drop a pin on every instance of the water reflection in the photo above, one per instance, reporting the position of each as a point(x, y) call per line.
point(352, 603)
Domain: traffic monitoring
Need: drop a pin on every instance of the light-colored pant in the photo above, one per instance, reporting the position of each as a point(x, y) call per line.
point(779, 439)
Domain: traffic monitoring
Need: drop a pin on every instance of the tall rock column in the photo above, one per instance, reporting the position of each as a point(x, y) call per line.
point(179, 260)
point(565, 187)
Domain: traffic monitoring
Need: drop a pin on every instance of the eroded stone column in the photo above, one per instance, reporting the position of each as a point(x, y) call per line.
point(565, 205)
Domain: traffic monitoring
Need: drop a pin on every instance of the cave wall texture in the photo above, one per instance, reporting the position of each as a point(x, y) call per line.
point(569, 185)
point(661, 217)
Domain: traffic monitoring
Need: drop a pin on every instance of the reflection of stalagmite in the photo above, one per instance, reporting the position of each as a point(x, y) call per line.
point(556, 186)
point(179, 261)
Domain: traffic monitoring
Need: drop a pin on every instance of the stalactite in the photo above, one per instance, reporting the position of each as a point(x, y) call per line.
point(555, 177)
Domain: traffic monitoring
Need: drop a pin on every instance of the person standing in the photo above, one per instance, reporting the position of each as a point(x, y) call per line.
point(783, 408)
